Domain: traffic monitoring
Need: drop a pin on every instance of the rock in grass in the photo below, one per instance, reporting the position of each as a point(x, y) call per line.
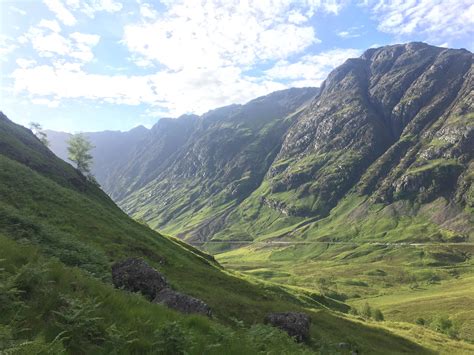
point(295, 324)
point(135, 275)
point(181, 302)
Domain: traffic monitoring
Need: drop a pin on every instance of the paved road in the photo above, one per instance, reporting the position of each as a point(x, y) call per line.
point(279, 242)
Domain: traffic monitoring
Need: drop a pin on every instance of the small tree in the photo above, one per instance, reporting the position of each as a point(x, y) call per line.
point(79, 152)
point(37, 130)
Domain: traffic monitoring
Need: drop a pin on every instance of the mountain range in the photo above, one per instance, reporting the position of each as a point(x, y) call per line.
point(394, 126)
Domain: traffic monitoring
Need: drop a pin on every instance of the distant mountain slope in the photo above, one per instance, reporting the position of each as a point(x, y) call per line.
point(224, 160)
point(221, 156)
point(396, 124)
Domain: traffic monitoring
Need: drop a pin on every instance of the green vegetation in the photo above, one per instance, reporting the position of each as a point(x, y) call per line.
point(49, 308)
point(362, 254)
point(59, 235)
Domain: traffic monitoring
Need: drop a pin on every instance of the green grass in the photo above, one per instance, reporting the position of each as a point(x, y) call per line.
point(450, 298)
point(405, 281)
point(49, 308)
point(433, 164)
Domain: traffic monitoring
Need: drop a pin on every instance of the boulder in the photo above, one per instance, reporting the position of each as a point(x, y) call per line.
point(135, 275)
point(181, 302)
point(295, 324)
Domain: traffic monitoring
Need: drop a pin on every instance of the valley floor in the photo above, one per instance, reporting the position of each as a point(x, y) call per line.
point(429, 301)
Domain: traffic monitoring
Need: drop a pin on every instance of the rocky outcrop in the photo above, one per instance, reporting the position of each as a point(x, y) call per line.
point(294, 323)
point(181, 302)
point(276, 205)
point(135, 275)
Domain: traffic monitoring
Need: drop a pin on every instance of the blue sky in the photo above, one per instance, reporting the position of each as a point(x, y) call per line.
point(90, 65)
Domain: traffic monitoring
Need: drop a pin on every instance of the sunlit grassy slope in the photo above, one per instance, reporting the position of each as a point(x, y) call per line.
point(410, 268)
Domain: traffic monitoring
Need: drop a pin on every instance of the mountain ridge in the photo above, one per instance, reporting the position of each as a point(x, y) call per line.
point(391, 124)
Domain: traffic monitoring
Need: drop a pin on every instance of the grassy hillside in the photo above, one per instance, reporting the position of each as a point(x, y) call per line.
point(50, 308)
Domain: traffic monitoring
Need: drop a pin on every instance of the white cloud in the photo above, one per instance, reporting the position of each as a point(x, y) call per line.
point(217, 34)
point(311, 70)
point(90, 7)
point(147, 11)
point(347, 34)
point(351, 32)
point(296, 17)
point(176, 93)
point(46, 81)
point(61, 12)
point(7, 45)
point(63, 9)
point(25, 63)
point(49, 43)
point(82, 46)
point(202, 52)
point(436, 19)
point(46, 102)
point(52, 25)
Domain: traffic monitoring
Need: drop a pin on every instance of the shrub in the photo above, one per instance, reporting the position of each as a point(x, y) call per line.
point(30, 279)
point(267, 340)
point(37, 346)
point(378, 315)
point(118, 339)
point(173, 338)
point(77, 321)
point(366, 311)
point(354, 311)
point(444, 325)
point(420, 321)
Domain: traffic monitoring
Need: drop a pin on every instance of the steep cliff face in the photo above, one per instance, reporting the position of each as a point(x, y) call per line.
point(408, 108)
point(144, 161)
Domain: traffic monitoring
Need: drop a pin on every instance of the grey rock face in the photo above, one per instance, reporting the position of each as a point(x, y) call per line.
point(294, 323)
point(181, 302)
point(393, 110)
point(135, 275)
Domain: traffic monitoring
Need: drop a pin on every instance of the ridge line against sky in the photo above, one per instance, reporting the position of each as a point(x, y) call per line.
point(90, 65)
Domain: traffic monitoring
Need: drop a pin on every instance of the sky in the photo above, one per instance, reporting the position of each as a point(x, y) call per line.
point(92, 65)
